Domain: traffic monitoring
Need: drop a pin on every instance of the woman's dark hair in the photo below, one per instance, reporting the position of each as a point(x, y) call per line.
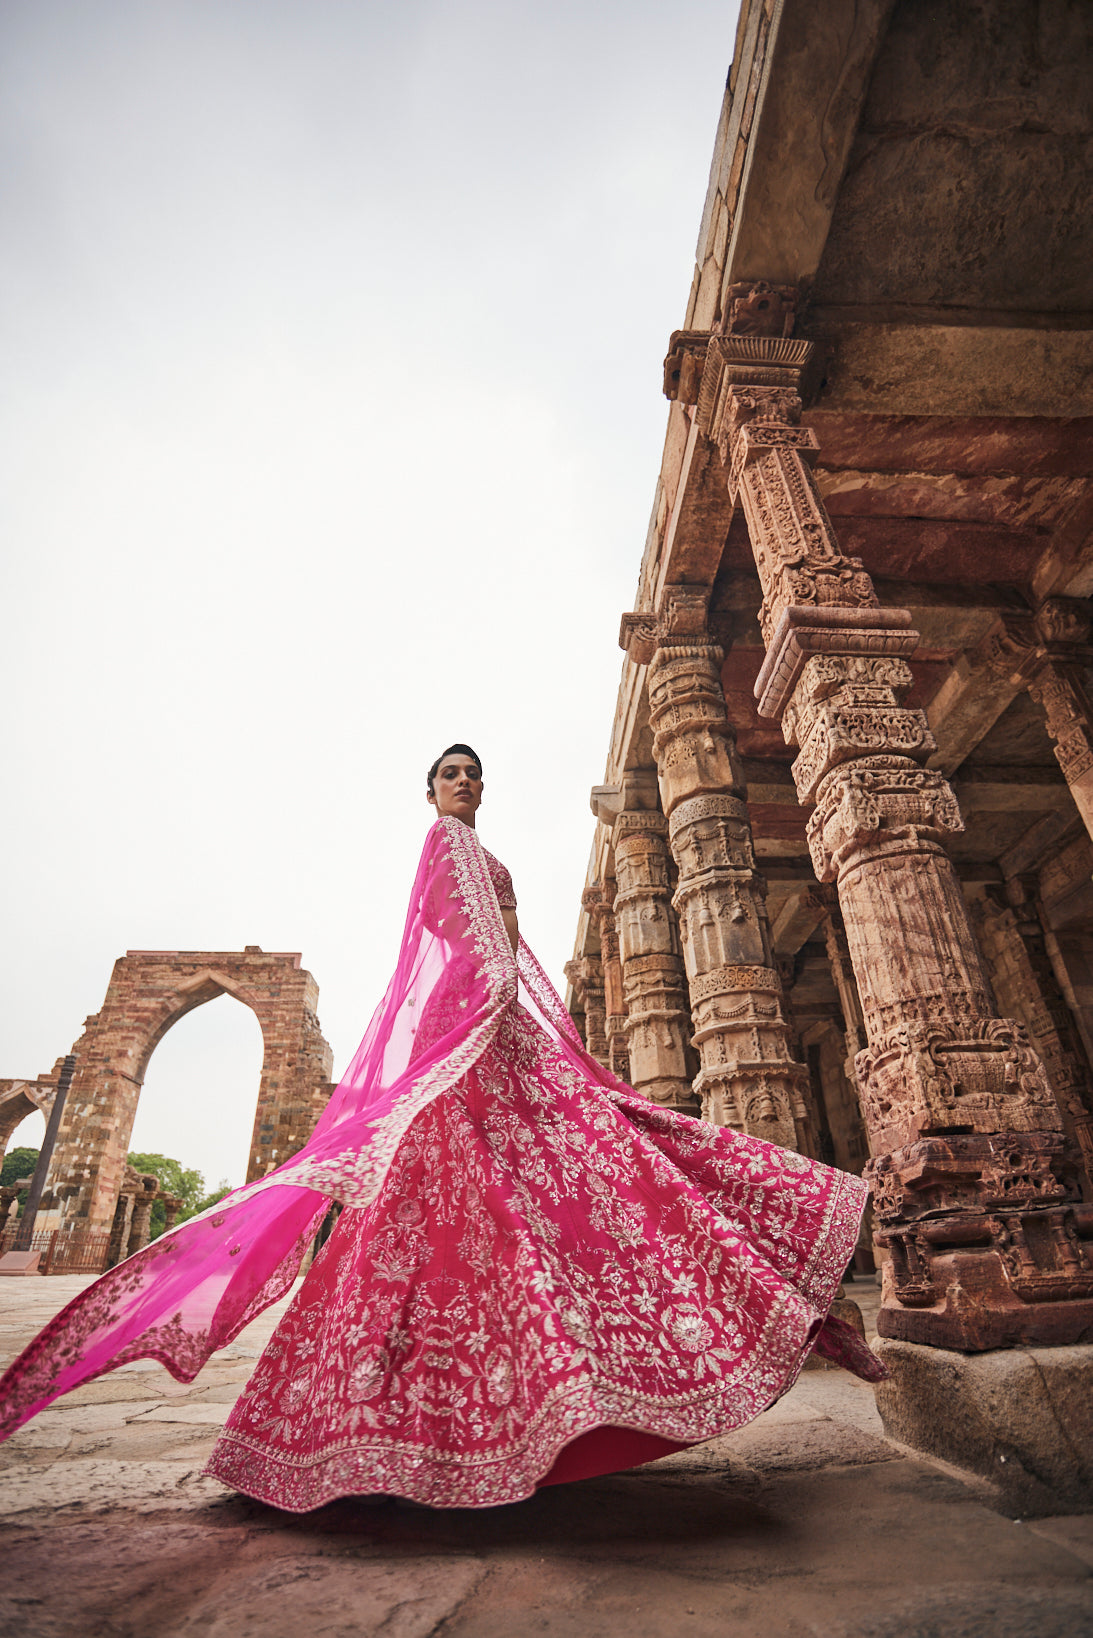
point(435, 769)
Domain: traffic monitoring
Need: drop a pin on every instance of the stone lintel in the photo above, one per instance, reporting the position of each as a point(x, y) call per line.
point(804, 630)
point(809, 92)
point(1032, 790)
point(1019, 1417)
point(958, 370)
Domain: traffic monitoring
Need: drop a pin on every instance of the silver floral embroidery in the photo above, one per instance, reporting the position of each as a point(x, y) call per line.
point(541, 1252)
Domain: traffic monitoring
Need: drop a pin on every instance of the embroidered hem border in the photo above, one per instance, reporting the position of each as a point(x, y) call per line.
point(437, 1478)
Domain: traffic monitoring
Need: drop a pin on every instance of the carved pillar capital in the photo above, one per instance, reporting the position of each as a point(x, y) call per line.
point(635, 823)
point(882, 803)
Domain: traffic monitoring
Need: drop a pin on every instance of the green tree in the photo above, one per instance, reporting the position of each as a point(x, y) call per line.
point(187, 1184)
point(19, 1163)
point(222, 1188)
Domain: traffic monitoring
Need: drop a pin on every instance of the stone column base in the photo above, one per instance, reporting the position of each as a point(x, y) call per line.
point(1021, 1418)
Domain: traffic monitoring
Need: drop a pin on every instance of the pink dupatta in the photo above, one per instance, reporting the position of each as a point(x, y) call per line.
point(194, 1289)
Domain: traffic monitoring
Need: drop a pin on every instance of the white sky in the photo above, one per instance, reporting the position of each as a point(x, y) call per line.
point(330, 344)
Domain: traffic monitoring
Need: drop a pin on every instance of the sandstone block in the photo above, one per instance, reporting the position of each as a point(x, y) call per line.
point(1022, 1418)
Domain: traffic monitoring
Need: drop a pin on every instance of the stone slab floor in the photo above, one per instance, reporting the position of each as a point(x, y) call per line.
point(806, 1522)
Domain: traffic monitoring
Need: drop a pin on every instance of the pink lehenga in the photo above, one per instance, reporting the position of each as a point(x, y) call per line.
point(538, 1274)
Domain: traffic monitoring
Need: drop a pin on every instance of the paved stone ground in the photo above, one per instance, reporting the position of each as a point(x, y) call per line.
point(806, 1522)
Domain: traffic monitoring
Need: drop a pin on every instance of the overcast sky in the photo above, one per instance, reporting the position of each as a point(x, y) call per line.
point(331, 416)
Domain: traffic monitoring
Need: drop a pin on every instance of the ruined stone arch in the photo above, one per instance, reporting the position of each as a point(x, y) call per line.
point(18, 1099)
point(149, 991)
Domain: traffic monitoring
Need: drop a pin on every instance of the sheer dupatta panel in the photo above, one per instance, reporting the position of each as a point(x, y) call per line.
point(194, 1289)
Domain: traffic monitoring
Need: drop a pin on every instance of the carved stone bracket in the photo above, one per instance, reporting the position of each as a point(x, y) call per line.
point(684, 364)
point(756, 308)
point(1050, 655)
point(638, 636)
point(682, 617)
point(1064, 621)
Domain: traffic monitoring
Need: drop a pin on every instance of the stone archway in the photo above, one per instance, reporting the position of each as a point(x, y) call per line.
point(18, 1099)
point(149, 991)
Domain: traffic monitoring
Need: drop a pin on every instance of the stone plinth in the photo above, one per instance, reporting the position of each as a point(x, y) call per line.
point(20, 1262)
point(1022, 1418)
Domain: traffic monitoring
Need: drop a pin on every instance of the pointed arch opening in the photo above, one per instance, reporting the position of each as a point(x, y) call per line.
point(199, 1088)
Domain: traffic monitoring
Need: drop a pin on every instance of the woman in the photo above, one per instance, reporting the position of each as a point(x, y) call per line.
point(538, 1274)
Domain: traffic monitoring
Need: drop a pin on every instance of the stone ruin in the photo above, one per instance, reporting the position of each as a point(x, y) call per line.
point(91, 1189)
point(840, 892)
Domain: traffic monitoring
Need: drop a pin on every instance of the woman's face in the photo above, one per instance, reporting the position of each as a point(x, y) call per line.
point(457, 787)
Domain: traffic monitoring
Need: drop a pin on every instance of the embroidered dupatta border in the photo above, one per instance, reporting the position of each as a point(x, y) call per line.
point(364, 1170)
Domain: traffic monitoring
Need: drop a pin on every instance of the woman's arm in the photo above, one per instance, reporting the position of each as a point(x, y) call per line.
point(512, 927)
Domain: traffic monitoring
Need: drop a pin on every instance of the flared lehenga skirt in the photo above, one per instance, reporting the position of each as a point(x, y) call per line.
point(556, 1279)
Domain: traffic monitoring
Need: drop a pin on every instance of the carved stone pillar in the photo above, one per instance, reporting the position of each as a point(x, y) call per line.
point(586, 976)
point(1013, 940)
point(748, 1078)
point(599, 901)
point(120, 1230)
point(1049, 653)
point(842, 971)
point(658, 1018)
point(971, 1185)
point(807, 1116)
point(141, 1223)
point(1059, 685)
